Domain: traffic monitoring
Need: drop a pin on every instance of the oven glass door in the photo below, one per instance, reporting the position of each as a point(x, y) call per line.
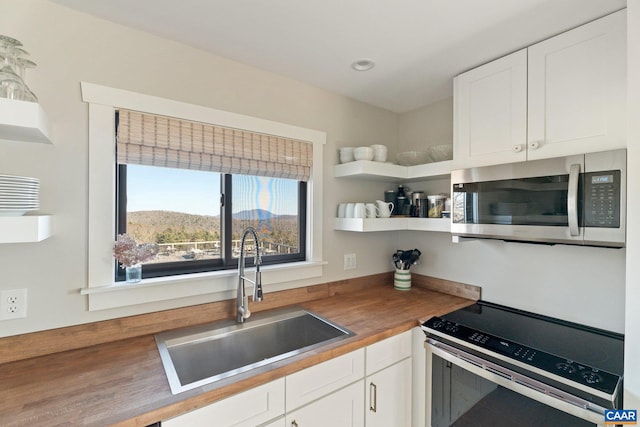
point(460, 397)
point(518, 201)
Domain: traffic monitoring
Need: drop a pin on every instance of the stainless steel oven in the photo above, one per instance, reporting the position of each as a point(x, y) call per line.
point(578, 200)
point(490, 365)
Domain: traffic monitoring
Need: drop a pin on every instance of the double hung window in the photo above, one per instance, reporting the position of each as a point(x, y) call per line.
point(192, 188)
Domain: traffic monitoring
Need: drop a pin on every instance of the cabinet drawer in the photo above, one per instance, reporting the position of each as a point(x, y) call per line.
point(320, 380)
point(246, 409)
point(387, 352)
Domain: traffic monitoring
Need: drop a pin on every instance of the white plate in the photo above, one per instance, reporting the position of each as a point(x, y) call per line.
point(18, 178)
point(5, 197)
point(12, 212)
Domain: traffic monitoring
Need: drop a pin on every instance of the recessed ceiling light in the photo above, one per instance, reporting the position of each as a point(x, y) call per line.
point(363, 64)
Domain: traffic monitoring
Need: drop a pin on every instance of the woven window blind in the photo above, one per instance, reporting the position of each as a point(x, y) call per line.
point(148, 139)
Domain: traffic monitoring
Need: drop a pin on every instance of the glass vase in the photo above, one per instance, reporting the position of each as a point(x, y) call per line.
point(134, 273)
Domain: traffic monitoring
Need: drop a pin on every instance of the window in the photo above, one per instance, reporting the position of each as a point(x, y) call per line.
point(179, 290)
point(195, 214)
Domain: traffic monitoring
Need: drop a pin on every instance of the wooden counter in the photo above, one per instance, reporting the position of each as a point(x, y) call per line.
point(123, 382)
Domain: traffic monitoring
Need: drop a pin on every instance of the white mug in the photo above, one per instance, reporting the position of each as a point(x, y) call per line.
point(370, 209)
point(349, 210)
point(342, 209)
point(384, 208)
point(358, 210)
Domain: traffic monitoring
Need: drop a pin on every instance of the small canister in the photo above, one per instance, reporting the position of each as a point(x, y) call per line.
point(436, 206)
point(402, 206)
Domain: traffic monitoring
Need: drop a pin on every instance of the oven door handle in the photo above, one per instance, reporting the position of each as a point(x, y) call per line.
point(510, 379)
point(572, 199)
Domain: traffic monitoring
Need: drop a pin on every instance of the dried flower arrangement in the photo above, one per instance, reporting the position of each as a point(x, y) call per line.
point(128, 252)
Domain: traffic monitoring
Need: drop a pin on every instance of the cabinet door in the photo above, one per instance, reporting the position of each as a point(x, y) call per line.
point(246, 409)
point(577, 90)
point(388, 396)
point(490, 113)
point(343, 408)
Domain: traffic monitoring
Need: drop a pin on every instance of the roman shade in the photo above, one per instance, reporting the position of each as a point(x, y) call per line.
point(153, 140)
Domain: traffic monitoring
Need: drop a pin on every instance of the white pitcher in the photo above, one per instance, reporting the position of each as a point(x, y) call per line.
point(384, 208)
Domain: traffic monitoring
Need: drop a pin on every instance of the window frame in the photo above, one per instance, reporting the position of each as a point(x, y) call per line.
point(102, 290)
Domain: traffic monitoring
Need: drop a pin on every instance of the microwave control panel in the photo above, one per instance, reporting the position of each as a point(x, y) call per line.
point(601, 199)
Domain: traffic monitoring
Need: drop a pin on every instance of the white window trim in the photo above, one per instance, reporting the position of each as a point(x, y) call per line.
point(102, 290)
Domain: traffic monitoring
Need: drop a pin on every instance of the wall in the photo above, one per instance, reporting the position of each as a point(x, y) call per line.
point(427, 126)
point(632, 322)
point(70, 47)
point(584, 285)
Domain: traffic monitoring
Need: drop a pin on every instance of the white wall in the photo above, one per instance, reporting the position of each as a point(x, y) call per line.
point(427, 126)
point(70, 47)
point(584, 285)
point(632, 323)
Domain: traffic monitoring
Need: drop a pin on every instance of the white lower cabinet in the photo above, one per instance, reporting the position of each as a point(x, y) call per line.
point(247, 409)
point(342, 408)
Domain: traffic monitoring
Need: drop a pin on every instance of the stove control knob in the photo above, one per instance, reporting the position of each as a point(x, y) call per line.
point(438, 324)
point(565, 367)
point(591, 377)
point(452, 327)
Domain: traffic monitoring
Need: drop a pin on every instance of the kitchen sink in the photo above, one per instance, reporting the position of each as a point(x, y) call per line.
point(203, 354)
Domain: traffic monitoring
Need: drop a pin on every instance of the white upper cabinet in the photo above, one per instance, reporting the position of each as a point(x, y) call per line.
point(565, 95)
point(577, 90)
point(490, 113)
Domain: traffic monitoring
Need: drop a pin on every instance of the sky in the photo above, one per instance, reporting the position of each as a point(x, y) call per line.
point(198, 192)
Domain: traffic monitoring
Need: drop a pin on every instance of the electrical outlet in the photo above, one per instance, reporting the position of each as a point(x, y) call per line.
point(349, 261)
point(13, 304)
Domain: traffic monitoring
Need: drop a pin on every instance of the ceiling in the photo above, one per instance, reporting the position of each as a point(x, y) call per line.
point(417, 45)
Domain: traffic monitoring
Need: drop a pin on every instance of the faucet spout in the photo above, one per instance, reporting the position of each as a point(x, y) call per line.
point(242, 302)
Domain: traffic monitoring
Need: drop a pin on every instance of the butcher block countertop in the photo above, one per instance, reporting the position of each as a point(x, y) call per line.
point(123, 382)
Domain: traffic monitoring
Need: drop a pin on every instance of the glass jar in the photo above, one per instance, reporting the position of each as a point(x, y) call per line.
point(436, 206)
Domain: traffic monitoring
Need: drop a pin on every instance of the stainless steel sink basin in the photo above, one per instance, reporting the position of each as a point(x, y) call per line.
point(200, 355)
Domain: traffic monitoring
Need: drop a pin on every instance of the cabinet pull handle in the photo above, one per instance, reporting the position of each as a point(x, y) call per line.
point(534, 145)
point(518, 148)
point(294, 423)
point(373, 397)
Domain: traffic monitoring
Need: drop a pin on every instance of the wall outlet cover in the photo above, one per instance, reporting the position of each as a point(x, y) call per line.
point(13, 304)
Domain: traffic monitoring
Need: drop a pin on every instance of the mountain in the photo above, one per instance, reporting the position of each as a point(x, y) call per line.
point(254, 215)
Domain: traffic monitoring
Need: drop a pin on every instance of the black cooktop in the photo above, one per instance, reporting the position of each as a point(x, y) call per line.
point(584, 354)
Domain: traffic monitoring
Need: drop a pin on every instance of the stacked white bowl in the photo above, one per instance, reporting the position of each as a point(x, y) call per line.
point(377, 153)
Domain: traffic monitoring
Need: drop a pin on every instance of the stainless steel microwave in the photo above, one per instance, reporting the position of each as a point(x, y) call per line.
point(579, 200)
